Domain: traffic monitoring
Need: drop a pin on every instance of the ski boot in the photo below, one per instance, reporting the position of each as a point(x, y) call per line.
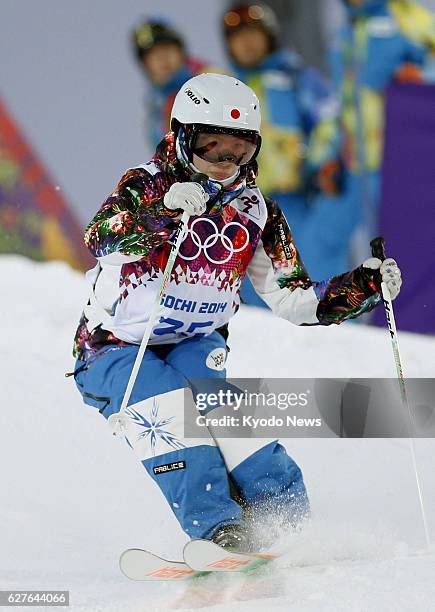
point(234, 538)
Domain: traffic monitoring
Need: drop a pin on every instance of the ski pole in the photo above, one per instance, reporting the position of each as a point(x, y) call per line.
point(378, 250)
point(118, 420)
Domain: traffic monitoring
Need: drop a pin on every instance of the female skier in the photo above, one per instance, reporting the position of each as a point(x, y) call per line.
point(232, 230)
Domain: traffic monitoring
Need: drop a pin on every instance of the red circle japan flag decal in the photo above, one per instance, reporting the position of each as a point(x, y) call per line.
point(234, 114)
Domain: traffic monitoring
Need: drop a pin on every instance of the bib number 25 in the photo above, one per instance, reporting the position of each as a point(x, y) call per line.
point(167, 325)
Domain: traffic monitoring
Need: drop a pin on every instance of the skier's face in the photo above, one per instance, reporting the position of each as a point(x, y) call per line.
point(221, 147)
point(219, 155)
point(249, 46)
point(162, 62)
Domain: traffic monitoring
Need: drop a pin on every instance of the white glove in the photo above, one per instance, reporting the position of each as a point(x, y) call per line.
point(389, 271)
point(190, 197)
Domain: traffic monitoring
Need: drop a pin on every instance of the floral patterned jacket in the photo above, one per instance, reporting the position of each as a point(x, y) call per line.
point(131, 237)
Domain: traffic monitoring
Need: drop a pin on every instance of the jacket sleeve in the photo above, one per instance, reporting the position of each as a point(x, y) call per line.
point(133, 219)
point(417, 26)
point(320, 109)
point(416, 23)
point(280, 278)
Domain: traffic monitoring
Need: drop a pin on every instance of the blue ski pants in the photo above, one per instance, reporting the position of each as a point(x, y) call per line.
point(193, 474)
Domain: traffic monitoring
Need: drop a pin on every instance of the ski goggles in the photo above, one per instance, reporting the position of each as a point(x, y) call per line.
point(219, 145)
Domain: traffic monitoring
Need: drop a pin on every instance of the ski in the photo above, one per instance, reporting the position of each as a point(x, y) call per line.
point(200, 558)
point(138, 564)
point(206, 556)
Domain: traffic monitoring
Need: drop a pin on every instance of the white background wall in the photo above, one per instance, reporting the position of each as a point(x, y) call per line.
point(67, 75)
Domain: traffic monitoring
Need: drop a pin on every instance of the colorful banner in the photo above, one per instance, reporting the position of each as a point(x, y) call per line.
point(407, 216)
point(35, 219)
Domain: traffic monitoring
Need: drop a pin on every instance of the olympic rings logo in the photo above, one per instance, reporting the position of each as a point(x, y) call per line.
point(211, 240)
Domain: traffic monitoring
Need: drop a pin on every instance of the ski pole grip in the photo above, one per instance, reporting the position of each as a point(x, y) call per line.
point(378, 248)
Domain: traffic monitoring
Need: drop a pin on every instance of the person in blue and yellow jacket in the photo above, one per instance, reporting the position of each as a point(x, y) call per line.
point(299, 152)
point(381, 41)
point(162, 56)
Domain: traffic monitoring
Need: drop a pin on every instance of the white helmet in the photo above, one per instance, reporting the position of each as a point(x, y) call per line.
point(221, 105)
point(217, 99)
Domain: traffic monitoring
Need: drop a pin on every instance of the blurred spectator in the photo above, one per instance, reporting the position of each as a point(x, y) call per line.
point(162, 56)
point(381, 41)
point(298, 155)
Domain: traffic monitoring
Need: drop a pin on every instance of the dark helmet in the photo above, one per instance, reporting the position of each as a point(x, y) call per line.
point(149, 33)
point(241, 15)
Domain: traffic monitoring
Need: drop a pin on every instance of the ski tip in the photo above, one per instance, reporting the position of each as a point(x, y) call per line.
point(132, 559)
point(139, 564)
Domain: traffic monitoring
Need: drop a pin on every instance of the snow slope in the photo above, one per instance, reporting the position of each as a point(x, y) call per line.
point(73, 496)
